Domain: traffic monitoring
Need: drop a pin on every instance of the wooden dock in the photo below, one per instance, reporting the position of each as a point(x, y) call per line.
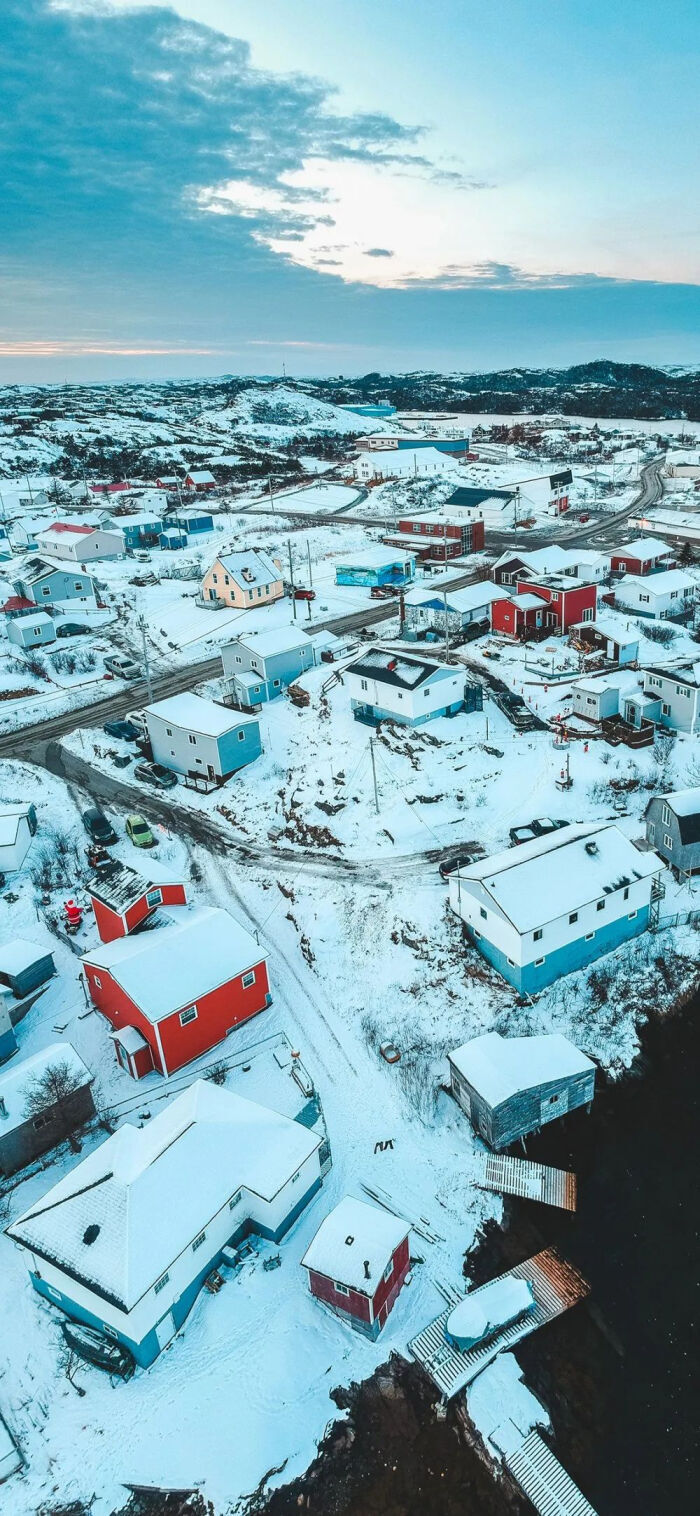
point(556, 1286)
point(541, 1477)
point(530, 1181)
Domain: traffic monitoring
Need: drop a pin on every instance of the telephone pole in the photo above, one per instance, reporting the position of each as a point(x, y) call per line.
point(447, 628)
point(308, 554)
point(374, 774)
point(291, 577)
point(146, 660)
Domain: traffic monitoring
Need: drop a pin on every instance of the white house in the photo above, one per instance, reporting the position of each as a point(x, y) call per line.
point(662, 597)
point(386, 686)
point(597, 696)
point(401, 463)
point(32, 631)
point(79, 543)
point(553, 905)
point(429, 605)
point(17, 827)
point(675, 693)
point(198, 737)
point(125, 1241)
point(679, 525)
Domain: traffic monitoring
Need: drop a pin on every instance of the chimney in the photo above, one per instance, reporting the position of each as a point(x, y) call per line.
point(366, 1266)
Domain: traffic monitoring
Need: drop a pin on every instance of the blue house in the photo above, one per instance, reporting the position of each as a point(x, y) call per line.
point(195, 522)
point(172, 539)
point(49, 583)
point(126, 1240)
point(554, 905)
point(201, 739)
point(139, 531)
point(260, 665)
point(376, 566)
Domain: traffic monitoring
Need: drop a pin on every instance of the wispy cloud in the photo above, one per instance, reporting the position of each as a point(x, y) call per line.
point(496, 276)
point(378, 252)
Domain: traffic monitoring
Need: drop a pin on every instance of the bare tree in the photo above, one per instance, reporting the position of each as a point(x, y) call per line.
point(51, 1093)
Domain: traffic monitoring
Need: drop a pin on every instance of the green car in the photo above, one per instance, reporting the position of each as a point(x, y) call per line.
point(138, 832)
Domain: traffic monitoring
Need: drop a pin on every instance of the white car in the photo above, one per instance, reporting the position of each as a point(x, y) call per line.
point(123, 666)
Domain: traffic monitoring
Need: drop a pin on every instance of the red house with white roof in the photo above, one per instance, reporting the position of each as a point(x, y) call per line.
point(174, 992)
point(568, 601)
point(358, 1262)
point(200, 480)
point(521, 617)
point(124, 900)
point(647, 555)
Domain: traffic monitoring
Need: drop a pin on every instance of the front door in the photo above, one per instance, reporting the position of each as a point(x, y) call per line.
point(210, 771)
point(165, 1330)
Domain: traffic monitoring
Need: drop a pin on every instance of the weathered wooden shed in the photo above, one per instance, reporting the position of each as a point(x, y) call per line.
point(512, 1086)
point(25, 1136)
point(673, 829)
point(24, 966)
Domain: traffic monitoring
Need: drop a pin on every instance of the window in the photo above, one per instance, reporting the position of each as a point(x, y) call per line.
point(668, 840)
point(275, 684)
point(536, 936)
point(665, 710)
point(476, 934)
point(600, 905)
point(538, 962)
point(241, 736)
point(198, 1241)
point(573, 917)
point(215, 579)
point(168, 731)
point(43, 1119)
point(78, 584)
point(644, 599)
point(631, 915)
point(250, 594)
point(512, 962)
point(191, 738)
point(296, 1176)
point(97, 982)
point(555, 596)
point(154, 897)
point(235, 1200)
point(482, 912)
point(189, 1015)
point(363, 684)
point(238, 658)
point(249, 979)
point(160, 1284)
point(46, 589)
point(388, 1270)
point(426, 694)
point(666, 815)
point(399, 694)
point(589, 936)
point(341, 1289)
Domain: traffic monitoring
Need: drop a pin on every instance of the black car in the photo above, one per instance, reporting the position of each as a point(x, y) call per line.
point(157, 774)
point(71, 629)
point(459, 861)
point(125, 730)
point(98, 827)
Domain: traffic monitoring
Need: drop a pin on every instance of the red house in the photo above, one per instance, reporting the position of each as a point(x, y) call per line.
point(644, 556)
point(175, 991)
point(200, 480)
point(124, 900)
point(568, 601)
point(357, 1263)
point(521, 617)
point(439, 538)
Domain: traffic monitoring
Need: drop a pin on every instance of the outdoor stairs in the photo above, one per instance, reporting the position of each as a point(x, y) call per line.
point(530, 1181)
point(541, 1477)
point(556, 1285)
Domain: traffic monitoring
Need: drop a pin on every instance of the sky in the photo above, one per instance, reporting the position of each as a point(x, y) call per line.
point(210, 186)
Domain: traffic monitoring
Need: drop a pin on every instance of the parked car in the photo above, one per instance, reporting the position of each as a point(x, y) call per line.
point(538, 828)
point(301, 593)
point(155, 773)
point(125, 730)
point(139, 832)
point(98, 827)
point(383, 592)
point(138, 719)
point(123, 666)
point(461, 861)
point(71, 629)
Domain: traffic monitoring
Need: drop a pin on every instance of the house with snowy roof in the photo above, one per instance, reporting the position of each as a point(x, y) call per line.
point(645, 555)
point(556, 904)
point(172, 993)
point(673, 829)
point(123, 900)
point(201, 480)
point(79, 543)
point(496, 508)
point(46, 581)
point(26, 1132)
point(668, 596)
point(387, 686)
point(201, 739)
point(243, 580)
point(427, 606)
point(514, 564)
point(358, 1262)
point(126, 1240)
point(258, 666)
point(596, 697)
point(512, 1086)
point(671, 696)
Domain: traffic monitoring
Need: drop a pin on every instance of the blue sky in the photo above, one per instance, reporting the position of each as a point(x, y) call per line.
point(210, 186)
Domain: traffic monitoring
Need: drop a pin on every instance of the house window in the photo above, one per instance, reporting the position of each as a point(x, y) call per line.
point(97, 982)
point(538, 962)
point(476, 934)
point(600, 905)
point(248, 979)
point(241, 736)
point(589, 936)
point(511, 961)
point(388, 1270)
point(235, 1200)
point(46, 589)
point(160, 1284)
point(250, 594)
point(191, 738)
point(341, 1289)
point(644, 599)
point(668, 840)
point(275, 684)
point(78, 584)
point(296, 1176)
point(631, 915)
point(198, 1241)
point(154, 897)
point(666, 815)
point(482, 912)
point(189, 1015)
point(573, 917)
point(168, 731)
point(536, 936)
point(665, 710)
point(363, 684)
point(214, 577)
point(238, 658)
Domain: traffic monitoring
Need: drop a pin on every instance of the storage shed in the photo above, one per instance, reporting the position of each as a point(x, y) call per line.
point(32, 631)
point(512, 1086)
point(358, 1262)
point(17, 827)
point(24, 1136)
point(124, 900)
point(24, 966)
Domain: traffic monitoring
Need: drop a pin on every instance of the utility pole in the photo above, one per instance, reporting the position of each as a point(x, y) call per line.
point(308, 554)
point(146, 660)
point(272, 500)
point(447, 628)
point(374, 774)
point(291, 577)
point(31, 497)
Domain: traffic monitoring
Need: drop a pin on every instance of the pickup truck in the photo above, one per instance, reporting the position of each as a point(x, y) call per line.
point(123, 666)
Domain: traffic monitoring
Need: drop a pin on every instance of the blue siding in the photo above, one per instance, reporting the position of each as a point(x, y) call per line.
point(377, 713)
point(529, 980)
point(8, 1044)
point(236, 751)
point(386, 574)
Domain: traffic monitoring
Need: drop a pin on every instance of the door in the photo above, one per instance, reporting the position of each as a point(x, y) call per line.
point(165, 1330)
point(210, 771)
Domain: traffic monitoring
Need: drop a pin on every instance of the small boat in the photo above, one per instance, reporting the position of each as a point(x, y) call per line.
point(98, 1349)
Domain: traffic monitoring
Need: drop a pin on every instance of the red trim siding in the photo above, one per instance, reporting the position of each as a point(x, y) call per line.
point(111, 924)
point(570, 605)
point(362, 1307)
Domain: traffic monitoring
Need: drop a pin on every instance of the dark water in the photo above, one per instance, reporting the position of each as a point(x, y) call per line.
point(635, 1237)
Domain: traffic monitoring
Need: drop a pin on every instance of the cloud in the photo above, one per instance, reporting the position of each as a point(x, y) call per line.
point(378, 252)
point(490, 274)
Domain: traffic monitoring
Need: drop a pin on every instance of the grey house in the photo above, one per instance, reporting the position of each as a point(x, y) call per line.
point(673, 829)
point(259, 665)
point(512, 1086)
point(24, 967)
point(201, 739)
point(675, 693)
point(25, 1137)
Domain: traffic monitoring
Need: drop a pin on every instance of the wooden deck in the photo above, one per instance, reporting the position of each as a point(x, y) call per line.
point(556, 1286)
point(544, 1481)
point(531, 1181)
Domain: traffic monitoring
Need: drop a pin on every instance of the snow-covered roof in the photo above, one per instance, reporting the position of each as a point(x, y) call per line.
point(501, 1067)
point(355, 1233)
point(41, 618)
point(621, 679)
point(38, 568)
point(396, 669)
point(684, 802)
point(542, 560)
point(125, 886)
point(281, 639)
point(67, 529)
point(528, 602)
point(10, 818)
point(201, 476)
point(249, 569)
point(656, 584)
point(194, 713)
point(17, 1080)
point(560, 873)
point(146, 1193)
point(170, 967)
point(18, 955)
point(643, 548)
point(612, 627)
point(467, 599)
point(375, 557)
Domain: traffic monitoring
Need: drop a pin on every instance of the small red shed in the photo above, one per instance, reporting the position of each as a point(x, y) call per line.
point(521, 617)
point(568, 601)
point(124, 900)
point(200, 480)
point(182, 986)
point(357, 1263)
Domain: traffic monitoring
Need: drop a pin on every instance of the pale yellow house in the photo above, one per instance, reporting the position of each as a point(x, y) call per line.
point(243, 580)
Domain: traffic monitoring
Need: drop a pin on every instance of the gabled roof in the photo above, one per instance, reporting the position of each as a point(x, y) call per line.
point(174, 965)
point(355, 1233)
point(194, 713)
point(126, 1212)
point(470, 495)
point(124, 887)
point(656, 584)
point(560, 873)
point(396, 669)
point(39, 568)
point(281, 639)
point(685, 805)
point(250, 569)
point(200, 476)
point(500, 1067)
point(643, 548)
point(67, 528)
point(467, 599)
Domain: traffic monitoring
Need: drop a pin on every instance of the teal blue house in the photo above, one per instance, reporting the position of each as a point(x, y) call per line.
point(260, 665)
point(201, 739)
